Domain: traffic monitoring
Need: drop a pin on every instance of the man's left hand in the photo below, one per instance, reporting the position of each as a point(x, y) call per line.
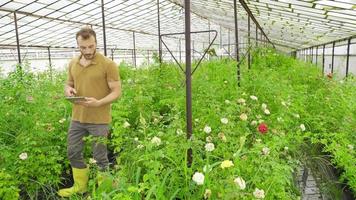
point(91, 102)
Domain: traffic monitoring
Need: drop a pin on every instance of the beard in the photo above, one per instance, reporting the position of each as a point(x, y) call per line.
point(89, 56)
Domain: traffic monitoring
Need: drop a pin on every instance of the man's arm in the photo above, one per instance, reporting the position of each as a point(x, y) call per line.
point(115, 93)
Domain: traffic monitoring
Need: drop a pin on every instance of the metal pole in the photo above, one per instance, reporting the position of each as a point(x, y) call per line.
point(256, 36)
point(112, 54)
point(312, 49)
point(17, 41)
point(209, 36)
point(209, 30)
point(50, 62)
point(316, 56)
point(237, 44)
point(229, 42)
point(220, 42)
point(332, 58)
point(134, 47)
point(103, 19)
point(193, 55)
point(249, 44)
point(188, 79)
point(159, 34)
point(180, 51)
point(323, 60)
point(348, 56)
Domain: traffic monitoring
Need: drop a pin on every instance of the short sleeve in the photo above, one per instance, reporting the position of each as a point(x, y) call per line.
point(69, 73)
point(112, 73)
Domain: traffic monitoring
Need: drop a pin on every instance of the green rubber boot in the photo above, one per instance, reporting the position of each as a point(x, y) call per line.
point(80, 186)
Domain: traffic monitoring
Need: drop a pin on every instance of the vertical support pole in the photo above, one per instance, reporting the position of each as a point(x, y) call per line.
point(209, 36)
point(249, 42)
point(103, 21)
point(159, 34)
point(209, 30)
point(332, 58)
point(256, 36)
point(17, 41)
point(193, 55)
point(134, 48)
point(50, 62)
point(188, 79)
point(112, 54)
point(316, 56)
point(180, 51)
point(323, 60)
point(220, 42)
point(312, 53)
point(237, 44)
point(229, 42)
point(348, 56)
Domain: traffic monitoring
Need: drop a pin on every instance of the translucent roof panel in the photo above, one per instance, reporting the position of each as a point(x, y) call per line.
point(288, 24)
point(54, 23)
point(294, 24)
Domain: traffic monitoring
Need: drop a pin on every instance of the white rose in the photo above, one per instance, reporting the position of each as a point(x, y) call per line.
point(209, 147)
point(126, 124)
point(302, 127)
point(241, 101)
point(156, 140)
point(179, 132)
point(23, 156)
point(198, 178)
point(224, 120)
point(254, 123)
point(259, 194)
point(264, 106)
point(265, 150)
point(267, 112)
point(254, 98)
point(207, 194)
point(140, 146)
point(227, 101)
point(240, 182)
point(243, 117)
point(207, 129)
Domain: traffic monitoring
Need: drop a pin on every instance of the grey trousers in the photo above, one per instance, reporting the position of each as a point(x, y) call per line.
point(75, 142)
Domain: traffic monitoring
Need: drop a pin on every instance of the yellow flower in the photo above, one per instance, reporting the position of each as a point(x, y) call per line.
point(226, 164)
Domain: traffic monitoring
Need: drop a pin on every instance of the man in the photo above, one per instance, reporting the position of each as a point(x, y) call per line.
point(96, 78)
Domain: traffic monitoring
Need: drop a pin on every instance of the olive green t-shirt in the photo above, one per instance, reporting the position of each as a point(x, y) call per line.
point(92, 81)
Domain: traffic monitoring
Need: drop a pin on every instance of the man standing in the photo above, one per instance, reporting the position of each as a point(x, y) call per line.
point(96, 78)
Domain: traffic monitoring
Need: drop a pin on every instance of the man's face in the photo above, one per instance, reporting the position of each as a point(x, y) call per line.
point(87, 47)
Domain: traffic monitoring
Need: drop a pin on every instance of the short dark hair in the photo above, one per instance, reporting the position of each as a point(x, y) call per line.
point(85, 33)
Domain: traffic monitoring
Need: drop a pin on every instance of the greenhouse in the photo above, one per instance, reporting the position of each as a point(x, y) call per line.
point(178, 99)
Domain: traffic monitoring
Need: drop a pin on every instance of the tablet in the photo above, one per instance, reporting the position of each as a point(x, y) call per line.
point(75, 99)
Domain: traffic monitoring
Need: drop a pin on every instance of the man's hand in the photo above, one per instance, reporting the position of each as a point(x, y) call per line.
point(69, 91)
point(90, 102)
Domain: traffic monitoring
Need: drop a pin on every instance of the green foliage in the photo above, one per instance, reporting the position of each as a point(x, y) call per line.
point(150, 138)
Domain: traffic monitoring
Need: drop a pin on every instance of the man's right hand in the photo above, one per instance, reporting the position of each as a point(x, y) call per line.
point(69, 91)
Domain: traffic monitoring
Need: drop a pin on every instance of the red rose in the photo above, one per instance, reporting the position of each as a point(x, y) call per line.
point(262, 128)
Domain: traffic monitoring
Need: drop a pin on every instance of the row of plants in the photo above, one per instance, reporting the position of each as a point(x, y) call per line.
point(33, 123)
point(247, 142)
point(279, 93)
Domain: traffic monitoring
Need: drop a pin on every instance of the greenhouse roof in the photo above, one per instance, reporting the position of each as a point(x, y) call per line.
point(288, 24)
